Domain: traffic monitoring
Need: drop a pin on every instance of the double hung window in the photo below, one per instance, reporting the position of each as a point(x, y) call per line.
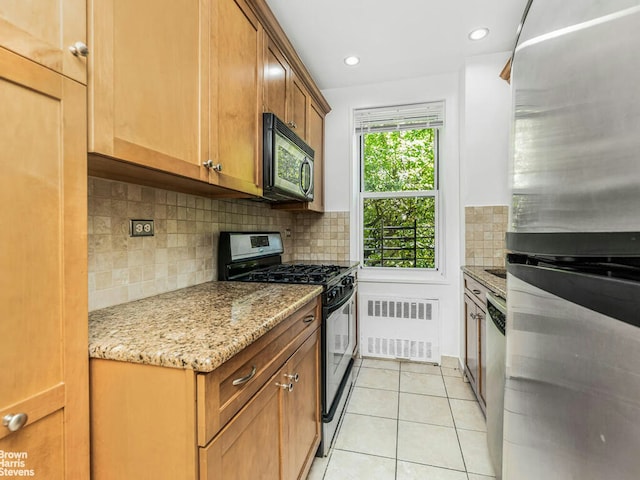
point(399, 191)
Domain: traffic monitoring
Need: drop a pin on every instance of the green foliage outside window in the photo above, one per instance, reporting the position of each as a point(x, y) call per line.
point(399, 231)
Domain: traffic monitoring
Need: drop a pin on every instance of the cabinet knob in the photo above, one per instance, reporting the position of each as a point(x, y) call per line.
point(79, 49)
point(285, 386)
point(15, 422)
point(292, 124)
point(217, 167)
point(476, 291)
point(295, 377)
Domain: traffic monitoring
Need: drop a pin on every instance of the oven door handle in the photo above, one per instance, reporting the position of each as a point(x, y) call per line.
point(332, 308)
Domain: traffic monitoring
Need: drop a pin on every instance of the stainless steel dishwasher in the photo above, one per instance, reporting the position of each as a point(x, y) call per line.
point(496, 346)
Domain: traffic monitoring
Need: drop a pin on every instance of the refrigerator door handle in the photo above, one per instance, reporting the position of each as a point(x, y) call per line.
point(614, 297)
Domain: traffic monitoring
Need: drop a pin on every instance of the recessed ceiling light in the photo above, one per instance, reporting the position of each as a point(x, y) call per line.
point(351, 61)
point(478, 33)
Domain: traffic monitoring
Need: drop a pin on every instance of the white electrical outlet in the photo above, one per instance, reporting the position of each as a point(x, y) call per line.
point(141, 228)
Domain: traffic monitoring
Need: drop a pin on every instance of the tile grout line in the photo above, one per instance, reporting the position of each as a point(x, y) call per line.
point(455, 427)
point(398, 391)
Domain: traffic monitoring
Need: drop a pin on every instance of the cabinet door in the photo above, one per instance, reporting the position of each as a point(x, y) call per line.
point(148, 63)
point(236, 97)
point(248, 447)
point(44, 33)
point(316, 141)
point(482, 332)
point(43, 268)
point(276, 81)
point(299, 108)
point(301, 409)
point(142, 422)
point(471, 344)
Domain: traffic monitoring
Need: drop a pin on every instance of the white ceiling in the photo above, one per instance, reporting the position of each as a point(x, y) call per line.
point(394, 39)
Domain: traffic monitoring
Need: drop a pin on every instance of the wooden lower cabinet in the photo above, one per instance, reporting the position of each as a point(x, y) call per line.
point(277, 433)
point(472, 343)
point(249, 444)
point(300, 412)
point(171, 424)
point(475, 358)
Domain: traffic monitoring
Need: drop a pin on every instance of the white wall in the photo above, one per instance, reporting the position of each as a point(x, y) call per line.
point(485, 120)
point(484, 141)
point(341, 190)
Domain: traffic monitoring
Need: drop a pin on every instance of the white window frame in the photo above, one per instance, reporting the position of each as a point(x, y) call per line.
point(359, 138)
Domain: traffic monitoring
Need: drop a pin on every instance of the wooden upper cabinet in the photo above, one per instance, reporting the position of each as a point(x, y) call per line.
point(146, 103)
point(276, 80)
point(316, 141)
point(299, 108)
point(45, 33)
point(43, 270)
point(235, 97)
point(284, 93)
point(177, 91)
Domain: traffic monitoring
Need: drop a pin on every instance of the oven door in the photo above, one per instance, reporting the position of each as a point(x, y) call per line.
point(339, 343)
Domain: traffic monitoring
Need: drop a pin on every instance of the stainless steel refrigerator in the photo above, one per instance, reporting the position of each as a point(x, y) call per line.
point(572, 393)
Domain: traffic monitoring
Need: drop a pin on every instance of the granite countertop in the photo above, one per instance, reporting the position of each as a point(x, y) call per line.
point(197, 328)
point(496, 284)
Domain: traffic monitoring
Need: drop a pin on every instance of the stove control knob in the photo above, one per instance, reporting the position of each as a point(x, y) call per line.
point(333, 293)
point(347, 281)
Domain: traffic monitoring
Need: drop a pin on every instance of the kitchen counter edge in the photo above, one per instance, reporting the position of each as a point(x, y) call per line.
point(496, 284)
point(195, 328)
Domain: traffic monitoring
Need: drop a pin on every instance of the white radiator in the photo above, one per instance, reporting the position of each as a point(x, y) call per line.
point(403, 328)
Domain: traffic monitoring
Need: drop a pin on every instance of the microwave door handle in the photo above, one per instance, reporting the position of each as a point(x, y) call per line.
point(306, 163)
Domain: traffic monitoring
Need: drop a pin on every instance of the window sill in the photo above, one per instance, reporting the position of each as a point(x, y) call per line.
point(387, 275)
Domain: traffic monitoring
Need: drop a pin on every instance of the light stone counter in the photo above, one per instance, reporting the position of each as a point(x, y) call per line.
point(197, 328)
point(496, 284)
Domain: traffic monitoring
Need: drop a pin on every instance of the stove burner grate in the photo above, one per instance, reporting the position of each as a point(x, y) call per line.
point(295, 273)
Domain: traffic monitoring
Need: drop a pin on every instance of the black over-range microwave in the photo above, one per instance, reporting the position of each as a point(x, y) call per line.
point(287, 163)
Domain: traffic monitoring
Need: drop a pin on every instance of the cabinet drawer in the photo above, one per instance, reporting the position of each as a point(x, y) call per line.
point(248, 444)
point(223, 392)
point(476, 290)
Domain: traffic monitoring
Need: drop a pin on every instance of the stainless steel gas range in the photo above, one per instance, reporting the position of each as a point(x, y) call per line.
point(257, 257)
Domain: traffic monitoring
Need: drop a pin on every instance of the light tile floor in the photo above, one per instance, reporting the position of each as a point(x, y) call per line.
point(408, 421)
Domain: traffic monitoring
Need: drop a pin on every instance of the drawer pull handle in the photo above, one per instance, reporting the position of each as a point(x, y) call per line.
point(243, 380)
point(309, 319)
point(476, 291)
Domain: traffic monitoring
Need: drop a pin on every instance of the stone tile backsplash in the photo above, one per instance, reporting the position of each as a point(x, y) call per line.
point(183, 251)
point(485, 229)
point(322, 238)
